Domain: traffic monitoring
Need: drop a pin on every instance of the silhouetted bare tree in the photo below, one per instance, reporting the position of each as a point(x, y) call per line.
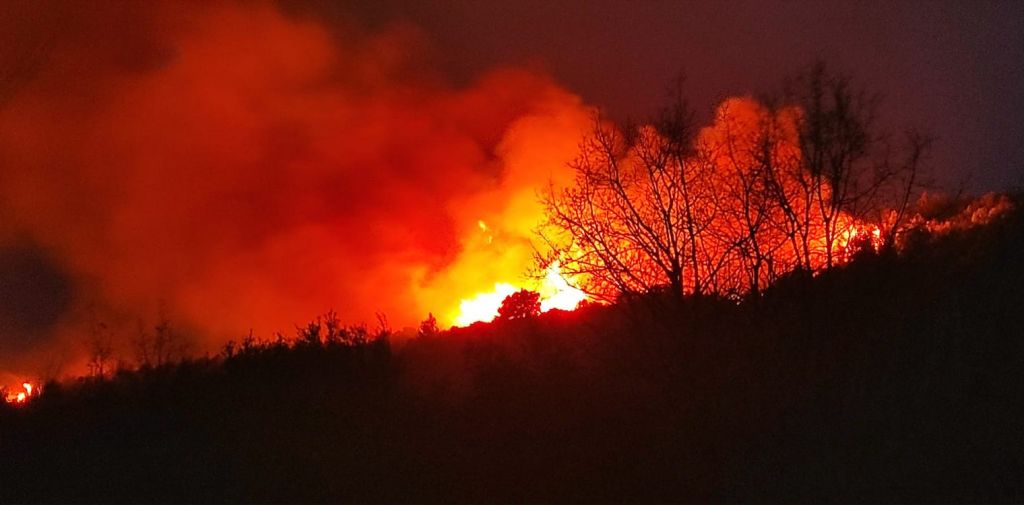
point(101, 349)
point(629, 224)
point(838, 141)
point(906, 183)
point(764, 190)
point(162, 346)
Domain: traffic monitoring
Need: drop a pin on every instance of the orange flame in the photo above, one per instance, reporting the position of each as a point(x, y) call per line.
point(555, 293)
point(483, 306)
point(21, 397)
point(498, 248)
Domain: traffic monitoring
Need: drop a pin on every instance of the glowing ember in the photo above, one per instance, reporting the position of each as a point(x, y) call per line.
point(485, 229)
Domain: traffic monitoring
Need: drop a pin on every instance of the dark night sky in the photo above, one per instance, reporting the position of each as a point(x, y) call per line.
point(950, 68)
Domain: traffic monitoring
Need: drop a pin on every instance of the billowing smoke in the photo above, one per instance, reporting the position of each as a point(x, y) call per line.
point(238, 167)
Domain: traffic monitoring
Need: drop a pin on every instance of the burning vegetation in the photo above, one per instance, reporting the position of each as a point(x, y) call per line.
point(675, 310)
point(18, 396)
point(249, 190)
point(726, 209)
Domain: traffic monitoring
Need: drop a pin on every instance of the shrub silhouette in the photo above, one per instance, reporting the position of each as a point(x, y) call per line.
point(428, 327)
point(520, 305)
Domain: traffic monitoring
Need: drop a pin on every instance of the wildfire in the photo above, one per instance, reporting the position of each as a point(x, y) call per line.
point(21, 397)
point(852, 232)
point(483, 306)
point(753, 219)
point(555, 293)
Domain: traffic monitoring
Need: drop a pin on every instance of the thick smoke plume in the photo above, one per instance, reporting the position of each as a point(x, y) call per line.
point(236, 166)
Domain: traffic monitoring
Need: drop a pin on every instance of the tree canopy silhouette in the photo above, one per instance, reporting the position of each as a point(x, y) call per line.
point(520, 305)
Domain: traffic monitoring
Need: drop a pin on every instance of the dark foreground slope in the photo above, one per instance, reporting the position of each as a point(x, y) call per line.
point(891, 379)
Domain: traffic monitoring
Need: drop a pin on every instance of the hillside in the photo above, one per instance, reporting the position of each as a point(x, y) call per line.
point(897, 377)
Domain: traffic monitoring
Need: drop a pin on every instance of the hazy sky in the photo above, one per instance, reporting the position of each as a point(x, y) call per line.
point(952, 68)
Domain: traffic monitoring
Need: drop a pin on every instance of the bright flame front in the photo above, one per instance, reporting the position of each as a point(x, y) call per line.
point(483, 306)
point(555, 293)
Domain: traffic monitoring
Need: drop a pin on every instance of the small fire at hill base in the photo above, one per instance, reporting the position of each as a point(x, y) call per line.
point(16, 397)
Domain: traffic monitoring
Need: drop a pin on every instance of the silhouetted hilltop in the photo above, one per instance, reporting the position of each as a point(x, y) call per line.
point(896, 377)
